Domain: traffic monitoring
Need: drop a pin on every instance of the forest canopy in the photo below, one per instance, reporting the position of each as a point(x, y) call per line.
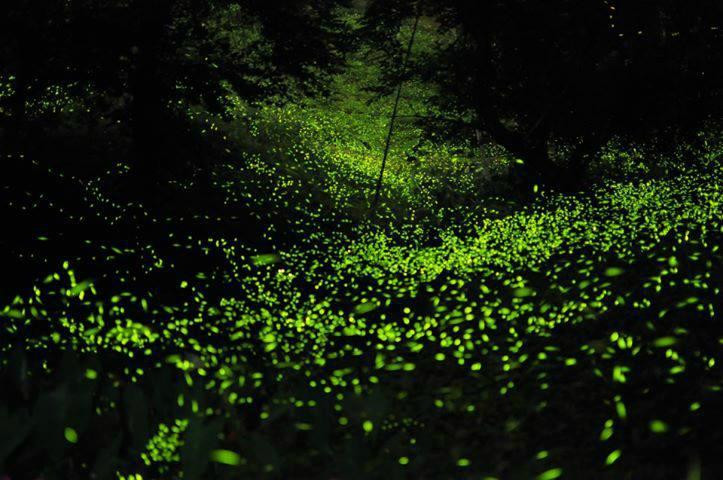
point(558, 79)
point(533, 74)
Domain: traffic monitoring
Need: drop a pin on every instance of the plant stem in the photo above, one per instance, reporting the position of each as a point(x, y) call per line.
point(378, 190)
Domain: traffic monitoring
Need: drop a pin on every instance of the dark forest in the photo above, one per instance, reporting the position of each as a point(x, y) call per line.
point(361, 239)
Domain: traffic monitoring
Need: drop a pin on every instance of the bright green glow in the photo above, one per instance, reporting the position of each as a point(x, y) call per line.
point(70, 435)
point(614, 271)
point(226, 457)
point(551, 474)
point(665, 342)
point(612, 457)
point(658, 426)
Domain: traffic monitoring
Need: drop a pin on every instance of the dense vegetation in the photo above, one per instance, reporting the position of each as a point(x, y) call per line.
point(199, 281)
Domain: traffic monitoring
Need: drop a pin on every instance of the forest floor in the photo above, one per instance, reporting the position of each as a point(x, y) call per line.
point(578, 335)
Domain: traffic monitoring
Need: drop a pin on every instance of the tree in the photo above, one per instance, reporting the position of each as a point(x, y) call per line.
point(534, 75)
point(31, 59)
point(161, 56)
point(195, 51)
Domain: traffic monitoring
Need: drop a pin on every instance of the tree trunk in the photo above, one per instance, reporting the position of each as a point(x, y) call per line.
point(538, 168)
point(580, 158)
point(528, 145)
